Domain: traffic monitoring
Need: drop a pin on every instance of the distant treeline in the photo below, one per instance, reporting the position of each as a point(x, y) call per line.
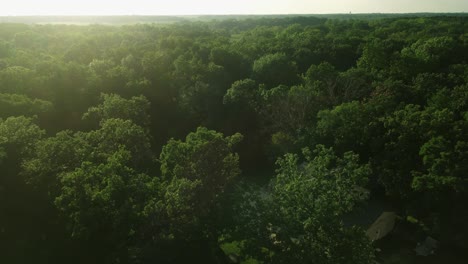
point(135, 19)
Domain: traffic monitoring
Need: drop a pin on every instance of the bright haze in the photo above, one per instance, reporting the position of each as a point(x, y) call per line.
point(221, 7)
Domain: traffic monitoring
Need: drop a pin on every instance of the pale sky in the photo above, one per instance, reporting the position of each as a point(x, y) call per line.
point(191, 7)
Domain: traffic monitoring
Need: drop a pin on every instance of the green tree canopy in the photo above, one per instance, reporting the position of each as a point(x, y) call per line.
point(299, 218)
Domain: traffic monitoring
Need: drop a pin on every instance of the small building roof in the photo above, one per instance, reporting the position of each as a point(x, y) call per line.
point(382, 226)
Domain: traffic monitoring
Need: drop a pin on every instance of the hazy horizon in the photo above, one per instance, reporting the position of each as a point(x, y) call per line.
point(239, 7)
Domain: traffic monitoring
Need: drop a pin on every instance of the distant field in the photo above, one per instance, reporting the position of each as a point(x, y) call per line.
point(86, 20)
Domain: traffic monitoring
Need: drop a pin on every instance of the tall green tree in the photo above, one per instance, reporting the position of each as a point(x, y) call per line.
point(299, 218)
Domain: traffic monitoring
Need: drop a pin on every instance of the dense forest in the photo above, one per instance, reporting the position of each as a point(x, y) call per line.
point(260, 140)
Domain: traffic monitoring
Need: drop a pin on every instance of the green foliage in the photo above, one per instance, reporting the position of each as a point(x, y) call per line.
point(333, 87)
point(114, 106)
point(6, 49)
point(433, 50)
point(108, 196)
point(17, 104)
point(300, 218)
point(314, 179)
point(274, 69)
point(16, 80)
point(234, 62)
point(66, 151)
point(407, 130)
point(115, 133)
point(54, 156)
point(445, 166)
point(342, 127)
point(195, 175)
point(19, 134)
point(242, 92)
point(200, 170)
point(205, 157)
point(105, 202)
